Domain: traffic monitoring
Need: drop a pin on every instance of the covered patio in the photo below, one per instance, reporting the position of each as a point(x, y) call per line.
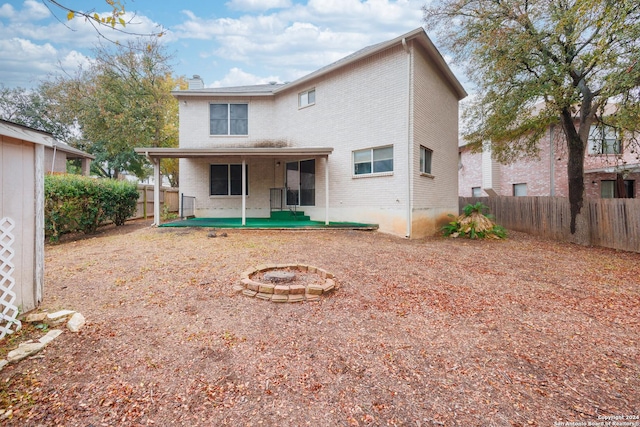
point(242, 156)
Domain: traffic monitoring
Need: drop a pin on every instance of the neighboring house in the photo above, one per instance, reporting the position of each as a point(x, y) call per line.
point(370, 138)
point(57, 157)
point(22, 169)
point(611, 168)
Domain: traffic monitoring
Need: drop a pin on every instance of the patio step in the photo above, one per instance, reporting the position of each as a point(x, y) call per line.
point(289, 216)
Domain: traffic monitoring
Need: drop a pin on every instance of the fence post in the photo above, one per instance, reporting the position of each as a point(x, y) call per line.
point(144, 205)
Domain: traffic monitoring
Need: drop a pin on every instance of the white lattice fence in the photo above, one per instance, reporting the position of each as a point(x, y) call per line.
point(9, 322)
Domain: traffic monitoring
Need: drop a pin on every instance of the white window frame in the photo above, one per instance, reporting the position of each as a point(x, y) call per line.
point(425, 168)
point(476, 191)
point(604, 141)
point(229, 119)
point(304, 98)
point(371, 161)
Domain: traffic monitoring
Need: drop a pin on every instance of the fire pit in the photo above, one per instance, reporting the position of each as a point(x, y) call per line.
point(286, 282)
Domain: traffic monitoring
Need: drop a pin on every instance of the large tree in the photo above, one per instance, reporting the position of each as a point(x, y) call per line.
point(31, 108)
point(122, 102)
point(579, 58)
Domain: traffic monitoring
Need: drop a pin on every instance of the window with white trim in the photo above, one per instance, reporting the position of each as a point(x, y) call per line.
point(226, 180)
point(425, 160)
point(476, 192)
point(373, 160)
point(228, 119)
point(604, 141)
point(307, 98)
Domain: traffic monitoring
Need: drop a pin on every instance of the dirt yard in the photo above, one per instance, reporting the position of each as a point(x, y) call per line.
point(435, 332)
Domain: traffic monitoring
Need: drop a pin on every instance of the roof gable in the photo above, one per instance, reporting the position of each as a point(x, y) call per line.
point(271, 89)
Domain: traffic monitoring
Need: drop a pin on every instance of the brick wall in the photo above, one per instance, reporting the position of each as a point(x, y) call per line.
point(545, 175)
point(363, 105)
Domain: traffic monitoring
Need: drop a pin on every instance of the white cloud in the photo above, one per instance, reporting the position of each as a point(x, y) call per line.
point(302, 37)
point(257, 5)
point(237, 77)
point(32, 11)
point(7, 11)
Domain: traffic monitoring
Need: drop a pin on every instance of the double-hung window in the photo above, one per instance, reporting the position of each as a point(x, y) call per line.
point(226, 180)
point(229, 119)
point(373, 160)
point(307, 98)
point(425, 160)
point(604, 140)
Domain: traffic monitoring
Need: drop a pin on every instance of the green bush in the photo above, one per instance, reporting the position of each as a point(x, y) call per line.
point(75, 203)
point(474, 224)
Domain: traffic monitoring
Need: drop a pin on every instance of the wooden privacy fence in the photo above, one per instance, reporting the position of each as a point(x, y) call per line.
point(613, 223)
point(168, 197)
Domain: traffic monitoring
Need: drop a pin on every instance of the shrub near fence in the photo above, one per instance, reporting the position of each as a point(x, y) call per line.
point(613, 223)
point(76, 203)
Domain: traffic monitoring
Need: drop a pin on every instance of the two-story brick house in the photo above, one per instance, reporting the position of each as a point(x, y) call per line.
point(370, 138)
point(612, 169)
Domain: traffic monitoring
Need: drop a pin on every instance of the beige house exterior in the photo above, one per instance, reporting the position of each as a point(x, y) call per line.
point(57, 156)
point(22, 170)
point(370, 138)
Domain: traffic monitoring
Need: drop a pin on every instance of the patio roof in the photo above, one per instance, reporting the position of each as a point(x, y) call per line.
point(163, 153)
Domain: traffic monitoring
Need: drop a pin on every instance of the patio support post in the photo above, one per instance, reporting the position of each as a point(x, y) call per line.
point(244, 193)
point(326, 190)
point(156, 191)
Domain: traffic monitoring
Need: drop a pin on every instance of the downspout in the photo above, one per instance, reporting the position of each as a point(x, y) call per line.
point(552, 164)
point(53, 161)
point(409, 141)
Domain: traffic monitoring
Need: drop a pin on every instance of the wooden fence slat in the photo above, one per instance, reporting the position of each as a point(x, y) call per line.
point(168, 197)
point(613, 223)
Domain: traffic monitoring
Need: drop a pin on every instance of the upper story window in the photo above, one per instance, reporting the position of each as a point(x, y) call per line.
point(373, 160)
point(604, 141)
point(307, 98)
point(425, 160)
point(229, 119)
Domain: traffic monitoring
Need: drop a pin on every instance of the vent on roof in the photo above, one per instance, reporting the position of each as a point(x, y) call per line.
point(273, 83)
point(195, 82)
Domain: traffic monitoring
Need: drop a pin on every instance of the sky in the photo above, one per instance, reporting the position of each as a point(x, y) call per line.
point(226, 42)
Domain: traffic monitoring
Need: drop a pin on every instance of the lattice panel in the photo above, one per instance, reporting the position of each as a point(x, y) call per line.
point(9, 322)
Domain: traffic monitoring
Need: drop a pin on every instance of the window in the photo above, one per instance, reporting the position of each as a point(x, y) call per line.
point(425, 160)
point(476, 192)
point(373, 160)
point(609, 189)
point(226, 180)
point(307, 98)
point(520, 189)
point(229, 119)
point(630, 188)
point(604, 141)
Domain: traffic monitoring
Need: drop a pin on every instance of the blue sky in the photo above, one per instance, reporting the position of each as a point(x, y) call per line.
point(228, 43)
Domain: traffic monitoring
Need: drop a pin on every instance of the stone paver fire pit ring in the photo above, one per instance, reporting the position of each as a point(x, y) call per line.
point(278, 283)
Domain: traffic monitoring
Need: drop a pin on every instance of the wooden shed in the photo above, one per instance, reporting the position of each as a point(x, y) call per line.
point(21, 220)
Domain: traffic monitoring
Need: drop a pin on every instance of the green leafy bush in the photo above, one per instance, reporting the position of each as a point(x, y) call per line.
point(474, 224)
point(75, 203)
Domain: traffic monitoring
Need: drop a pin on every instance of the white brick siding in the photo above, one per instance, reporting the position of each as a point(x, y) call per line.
point(362, 105)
